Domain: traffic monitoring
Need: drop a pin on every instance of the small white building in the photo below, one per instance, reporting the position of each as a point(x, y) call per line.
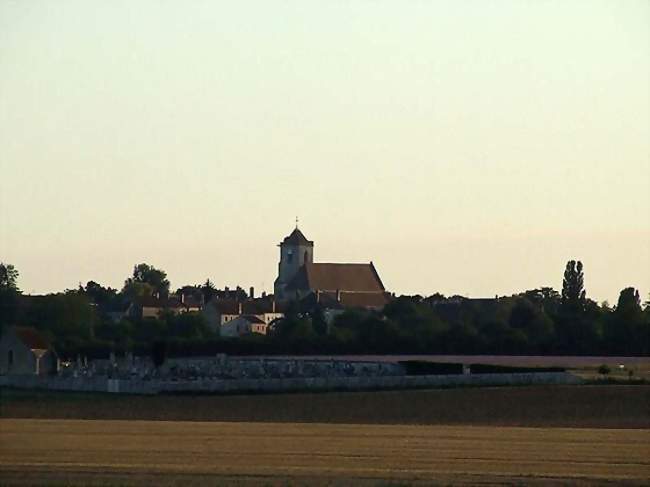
point(23, 351)
point(244, 325)
point(220, 313)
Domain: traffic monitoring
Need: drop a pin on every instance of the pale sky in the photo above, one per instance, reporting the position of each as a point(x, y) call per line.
point(468, 147)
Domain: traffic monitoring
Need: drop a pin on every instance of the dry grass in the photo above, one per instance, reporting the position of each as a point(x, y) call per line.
point(74, 452)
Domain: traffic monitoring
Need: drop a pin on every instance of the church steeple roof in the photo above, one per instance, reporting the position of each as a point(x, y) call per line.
point(296, 238)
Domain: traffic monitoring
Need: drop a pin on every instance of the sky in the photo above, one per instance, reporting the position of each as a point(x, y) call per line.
point(464, 147)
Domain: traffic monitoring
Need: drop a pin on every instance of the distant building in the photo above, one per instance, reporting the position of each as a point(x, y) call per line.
point(244, 325)
point(152, 306)
point(24, 351)
point(219, 313)
point(189, 302)
point(348, 285)
point(334, 304)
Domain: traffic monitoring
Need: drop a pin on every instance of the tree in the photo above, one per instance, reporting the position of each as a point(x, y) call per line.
point(208, 290)
point(9, 295)
point(97, 293)
point(629, 301)
point(188, 326)
point(573, 293)
point(546, 297)
point(604, 370)
point(119, 334)
point(8, 277)
point(68, 318)
point(318, 321)
point(627, 330)
point(533, 322)
point(146, 280)
point(578, 330)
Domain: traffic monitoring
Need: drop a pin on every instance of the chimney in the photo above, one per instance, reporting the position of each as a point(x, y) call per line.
point(263, 294)
point(252, 292)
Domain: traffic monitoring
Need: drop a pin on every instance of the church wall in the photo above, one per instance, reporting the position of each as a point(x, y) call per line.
point(292, 258)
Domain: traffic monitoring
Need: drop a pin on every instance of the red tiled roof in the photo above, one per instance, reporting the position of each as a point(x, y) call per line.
point(249, 307)
point(31, 338)
point(225, 306)
point(365, 300)
point(338, 277)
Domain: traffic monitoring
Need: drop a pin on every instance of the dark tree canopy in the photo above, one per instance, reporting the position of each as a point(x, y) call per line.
point(573, 292)
point(629, 301)
point(537, 321)
point(8, 277)
point(146, 280)
point(208, 290)
point(97, 293)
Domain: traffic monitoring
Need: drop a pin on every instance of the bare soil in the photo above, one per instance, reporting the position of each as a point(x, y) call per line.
point(593, 406)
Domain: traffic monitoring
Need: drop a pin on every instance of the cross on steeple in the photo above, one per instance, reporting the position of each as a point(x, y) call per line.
point(296, 222)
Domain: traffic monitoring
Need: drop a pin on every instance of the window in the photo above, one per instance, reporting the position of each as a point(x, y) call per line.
point(10, 358)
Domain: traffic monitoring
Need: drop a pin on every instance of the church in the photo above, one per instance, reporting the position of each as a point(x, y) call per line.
point(350, 285)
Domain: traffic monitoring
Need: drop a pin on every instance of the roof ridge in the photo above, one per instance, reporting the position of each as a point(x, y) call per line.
point(374, 271)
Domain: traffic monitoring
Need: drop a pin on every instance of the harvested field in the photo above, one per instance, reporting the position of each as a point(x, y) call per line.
point(611, 406)
point(74, 452)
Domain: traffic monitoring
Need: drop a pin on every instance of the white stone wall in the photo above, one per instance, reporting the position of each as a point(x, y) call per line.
point(138, 386)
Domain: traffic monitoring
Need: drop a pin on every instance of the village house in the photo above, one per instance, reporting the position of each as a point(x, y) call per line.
point(244, 325)
point(220, 312)
point(152, 306)
point(24, 351)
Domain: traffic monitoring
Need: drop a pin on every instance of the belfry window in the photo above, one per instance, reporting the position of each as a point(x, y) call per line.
point(289, 256)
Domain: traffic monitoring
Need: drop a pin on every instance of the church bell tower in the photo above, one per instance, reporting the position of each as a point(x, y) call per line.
point(295, 251)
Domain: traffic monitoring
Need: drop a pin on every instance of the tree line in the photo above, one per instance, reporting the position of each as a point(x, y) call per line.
point(538, 321)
